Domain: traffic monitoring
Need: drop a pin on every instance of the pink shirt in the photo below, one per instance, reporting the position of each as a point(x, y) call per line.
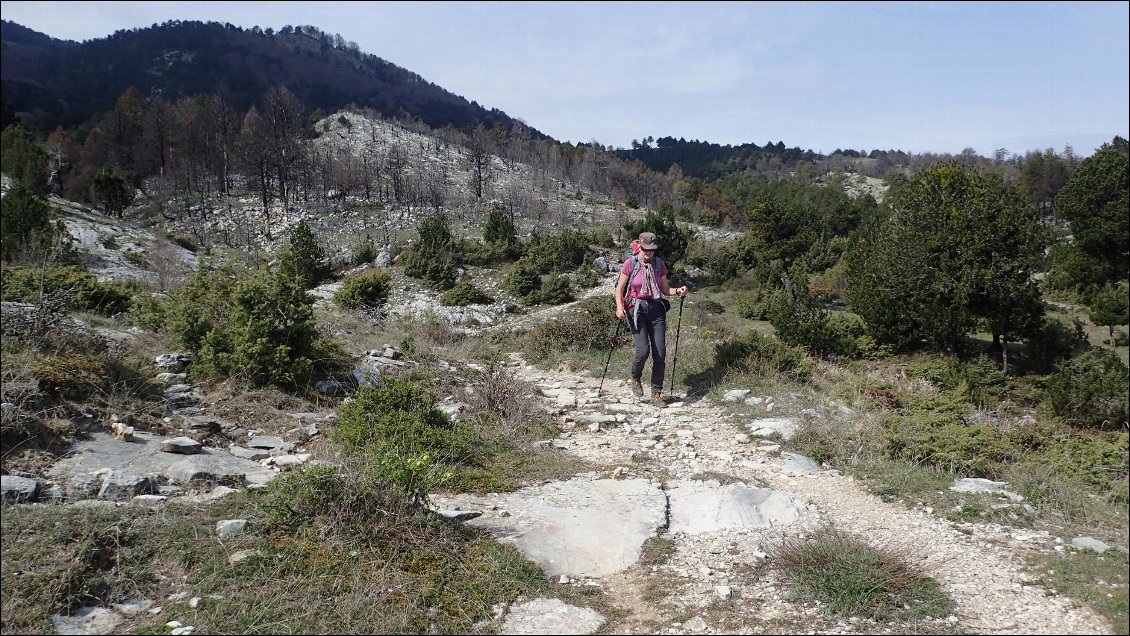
point(634, 285)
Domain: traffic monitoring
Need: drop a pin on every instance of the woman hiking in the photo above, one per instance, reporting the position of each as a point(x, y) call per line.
point(640, 298)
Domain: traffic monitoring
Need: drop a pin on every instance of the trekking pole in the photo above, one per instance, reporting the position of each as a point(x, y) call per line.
point(611, 346)
point(675, 358)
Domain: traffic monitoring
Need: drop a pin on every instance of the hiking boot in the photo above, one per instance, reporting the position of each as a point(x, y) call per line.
point(657, 400)
point(637, 388)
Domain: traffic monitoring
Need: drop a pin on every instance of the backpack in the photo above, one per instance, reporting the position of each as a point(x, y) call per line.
point(657, 260)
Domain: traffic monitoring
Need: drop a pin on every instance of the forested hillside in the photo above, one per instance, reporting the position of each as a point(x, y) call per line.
point(48, 83)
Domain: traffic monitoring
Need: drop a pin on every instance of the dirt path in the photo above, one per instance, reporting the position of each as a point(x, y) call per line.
point(719, 582)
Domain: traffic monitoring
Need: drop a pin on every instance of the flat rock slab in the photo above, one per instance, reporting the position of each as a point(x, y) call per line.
point(579, 527)
point(786, 427)
point(143, 456)
point(87, 620)
point(699, 507)
point(550, 616)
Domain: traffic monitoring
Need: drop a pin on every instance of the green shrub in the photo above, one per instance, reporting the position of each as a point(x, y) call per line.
point(481, 253)
point(803, 321)
point(523, 282)
point(428, 268)
point(1098, 459)
point(1055, 341)
point(586, 277)
point(24, 160)
point(587, 327)
point(752, 304)
point(1091, 391)
point(464, 294)
point(400, 416)
point(557, 252)
point(757, 353)
point(555, 290)
point(25, 222)
point(367, 289)
point(673, 240)
point(499, 228)
point(364, 251)
point(260, 325)
point(709, 307)
point(938, 439)
point(435, 256)
point(149, 311)
point(75, 287)
point(978, 380)
point(318, 494)
point(307, 258)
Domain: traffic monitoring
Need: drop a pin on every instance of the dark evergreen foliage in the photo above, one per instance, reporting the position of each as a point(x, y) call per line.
point(1096, 202)
point(25, 221)
point(64, 83)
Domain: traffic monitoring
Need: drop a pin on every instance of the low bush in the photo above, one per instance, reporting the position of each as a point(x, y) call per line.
point(803, 321)
point(558, 252)
point(523, 282)
point(367, 289)
point(708, 306)
point(555, 290)
point(752, 304)
point(76, 288)
point(977, 380)
point(1091, 391)
point(1096, 459)
point(586, 277)
point(464, 294)
point(364, 251)
point(587, 327)
point(757, 353)
point(258, 325)
point(941, 440)
point(1054, 342)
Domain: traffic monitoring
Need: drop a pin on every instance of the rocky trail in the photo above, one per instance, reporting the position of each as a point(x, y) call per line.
point(724, 498)
point(676, 528)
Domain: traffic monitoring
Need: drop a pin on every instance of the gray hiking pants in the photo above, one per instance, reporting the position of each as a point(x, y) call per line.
point(649, 332)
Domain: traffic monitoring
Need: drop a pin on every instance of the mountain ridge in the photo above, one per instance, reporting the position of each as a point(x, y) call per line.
point(49, 82)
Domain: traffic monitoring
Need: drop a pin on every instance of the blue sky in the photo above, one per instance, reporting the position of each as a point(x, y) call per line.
point(920, 77)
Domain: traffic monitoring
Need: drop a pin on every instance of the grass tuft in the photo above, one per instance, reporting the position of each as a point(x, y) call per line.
point(850, 577)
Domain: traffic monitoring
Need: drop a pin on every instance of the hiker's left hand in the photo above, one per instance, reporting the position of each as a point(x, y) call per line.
point(682, 291)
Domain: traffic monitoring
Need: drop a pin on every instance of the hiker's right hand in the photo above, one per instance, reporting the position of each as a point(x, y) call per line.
point(620, 313)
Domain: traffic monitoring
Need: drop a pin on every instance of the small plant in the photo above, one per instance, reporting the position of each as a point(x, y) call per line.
point(523, 282)
point(305, 256)
point(259, 326)
point(586, 277)
point(399, 417)
point(434, 258)
point(1091, 391)
point(556, 290)
point(75, 287)
point(758, 353)
point(464, 294)
point(414, 474)
point(556, 252)
point(589, 328)
point(367, 289)
point(852, 578)
point(708, 306)
point(364, 252)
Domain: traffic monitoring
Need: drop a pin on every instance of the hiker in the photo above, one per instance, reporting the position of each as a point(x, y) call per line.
point(640, 298)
